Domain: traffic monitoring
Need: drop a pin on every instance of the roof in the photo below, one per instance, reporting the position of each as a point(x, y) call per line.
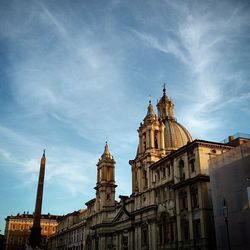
point(31, 216)
point(196, 142)
point(176, 135)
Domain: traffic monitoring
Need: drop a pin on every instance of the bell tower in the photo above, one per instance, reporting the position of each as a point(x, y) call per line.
point(150, 149)
point(105, 186)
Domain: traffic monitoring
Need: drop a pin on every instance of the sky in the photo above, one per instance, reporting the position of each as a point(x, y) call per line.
point(74, 74)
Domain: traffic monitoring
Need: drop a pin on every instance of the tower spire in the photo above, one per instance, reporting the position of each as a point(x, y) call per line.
point(35, 235)
point(164, 89)
point(106, 154)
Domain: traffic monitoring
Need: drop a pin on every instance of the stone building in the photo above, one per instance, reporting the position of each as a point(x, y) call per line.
point(170, 206)
point(2, 242)
point(71, 232)
point(17, 229)
point(230, 182)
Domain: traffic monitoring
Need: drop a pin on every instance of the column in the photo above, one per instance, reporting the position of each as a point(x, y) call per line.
point(190, 218)
point(178, 222)
point(152, 236)
point(151, 136)
point(162, 138)
point(140, 144)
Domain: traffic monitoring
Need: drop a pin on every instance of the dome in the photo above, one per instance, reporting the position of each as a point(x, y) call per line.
point(176, 135)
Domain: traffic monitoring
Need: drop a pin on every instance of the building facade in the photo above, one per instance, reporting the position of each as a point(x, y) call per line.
point(170, 206)
point(230, 182)
point(17, 229)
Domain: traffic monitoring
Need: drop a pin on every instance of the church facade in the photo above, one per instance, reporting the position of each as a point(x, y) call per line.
point(170, 206)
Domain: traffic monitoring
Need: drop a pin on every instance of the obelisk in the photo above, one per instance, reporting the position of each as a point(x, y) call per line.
point(35, 234)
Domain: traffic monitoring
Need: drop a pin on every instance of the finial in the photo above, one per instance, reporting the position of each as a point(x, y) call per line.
point(164, 88)
point(149, 99)
point(44, 152)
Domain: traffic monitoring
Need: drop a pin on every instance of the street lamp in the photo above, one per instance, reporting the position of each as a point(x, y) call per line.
point(225, 214)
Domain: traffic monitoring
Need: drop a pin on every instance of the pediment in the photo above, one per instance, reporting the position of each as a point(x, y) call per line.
point(121, 216)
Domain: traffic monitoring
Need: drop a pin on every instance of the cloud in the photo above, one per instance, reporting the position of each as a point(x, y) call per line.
point(81, 73)
point(203, 42)
point(50, 18)
point(69, 167)
point(167, 46)
point(5, 154)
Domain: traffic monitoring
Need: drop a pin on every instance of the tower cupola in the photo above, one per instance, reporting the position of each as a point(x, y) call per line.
point(151, 116)
point(176, 135)
point(106, 154)
point(165, 107)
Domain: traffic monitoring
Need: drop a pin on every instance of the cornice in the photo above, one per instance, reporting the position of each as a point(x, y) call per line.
point(200, 177)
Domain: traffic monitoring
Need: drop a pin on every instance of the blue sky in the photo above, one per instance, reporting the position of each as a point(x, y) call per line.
point(75, 73)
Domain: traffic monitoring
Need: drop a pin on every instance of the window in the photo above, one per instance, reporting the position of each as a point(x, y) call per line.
point(185, 230)
point(110, 242)
point(144, 141)
point(166, 232)
point(100, 174)
point(124, 242)
point(171, 231)
point(194, 198)
point(108, 173)
point(155, 141)
point(145, 178)
point(158, 175)
point(144, 235)
point(13, 227)
point(168, 170)
point(192, 165)
point(183, 200)
point(160, 234)
point(108, 196)
point(197, 229)
point(11, 240)
point(181, 170)
point(163, 172)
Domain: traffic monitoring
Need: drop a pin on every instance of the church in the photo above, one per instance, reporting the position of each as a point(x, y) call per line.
point(170, 206)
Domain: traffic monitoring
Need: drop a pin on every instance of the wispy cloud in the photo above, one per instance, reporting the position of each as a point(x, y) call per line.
point(202, 44)
point(167, 46)
point(5, 154)
point(78, 73)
